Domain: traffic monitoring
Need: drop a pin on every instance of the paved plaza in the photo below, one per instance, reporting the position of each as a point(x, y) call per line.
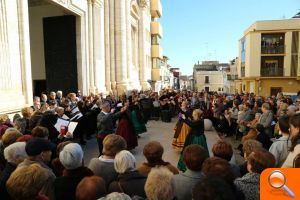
point(157, 130)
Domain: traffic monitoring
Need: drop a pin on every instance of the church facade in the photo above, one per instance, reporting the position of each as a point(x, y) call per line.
point(69, 45)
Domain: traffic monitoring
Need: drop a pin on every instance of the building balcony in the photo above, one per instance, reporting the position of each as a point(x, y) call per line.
point(273, 49)
point(231, 77)
point(156, 29)
point(271, 71)
point(156, 51)
point(156, 9)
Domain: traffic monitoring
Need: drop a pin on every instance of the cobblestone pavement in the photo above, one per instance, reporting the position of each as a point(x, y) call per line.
point(159, 131)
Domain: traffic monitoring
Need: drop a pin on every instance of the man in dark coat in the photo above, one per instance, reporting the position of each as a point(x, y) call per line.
point(105, 123)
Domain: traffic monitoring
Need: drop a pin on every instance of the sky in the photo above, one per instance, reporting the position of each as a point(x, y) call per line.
point(197, 30)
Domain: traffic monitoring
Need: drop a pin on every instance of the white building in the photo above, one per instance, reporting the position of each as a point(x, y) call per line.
point(232, 76)
point(91, 45)
point(210, 76)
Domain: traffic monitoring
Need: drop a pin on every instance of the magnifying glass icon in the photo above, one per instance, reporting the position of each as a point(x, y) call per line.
point(277, 180)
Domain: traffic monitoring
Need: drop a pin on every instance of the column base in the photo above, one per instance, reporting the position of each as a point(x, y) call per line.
point(121, 88)
point(145, 85)
point(92, 89)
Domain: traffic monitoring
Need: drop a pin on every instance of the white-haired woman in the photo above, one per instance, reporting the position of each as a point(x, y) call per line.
point(14, 155)
point(130, 181)
point(160, 184)
point(71, 157)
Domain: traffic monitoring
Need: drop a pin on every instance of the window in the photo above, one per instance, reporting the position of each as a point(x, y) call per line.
point(243, 56)
point(271, 66)
point(206, 79)
point(272, 43)
point(155, 40)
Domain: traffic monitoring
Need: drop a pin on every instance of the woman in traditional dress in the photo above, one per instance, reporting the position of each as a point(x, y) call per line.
point(181, 129)
point(126, 129)
point(137, 119)
point(195, 136)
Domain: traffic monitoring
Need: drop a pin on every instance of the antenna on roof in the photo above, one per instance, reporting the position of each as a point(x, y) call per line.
point(298, 14)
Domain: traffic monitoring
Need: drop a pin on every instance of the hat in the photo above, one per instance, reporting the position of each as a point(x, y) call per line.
point(71, 156)
point(35, 146)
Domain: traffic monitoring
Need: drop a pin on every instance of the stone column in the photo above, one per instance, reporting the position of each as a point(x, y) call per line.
point(128, 39)
point(4, 49)
point(142, 47)
point(98, 44)
point(120, 34)
point(91, 46)
point(25, 57)
point(112, 45)
point(107, 45)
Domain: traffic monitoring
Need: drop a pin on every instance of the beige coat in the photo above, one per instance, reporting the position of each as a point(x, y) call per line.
point(289, 162)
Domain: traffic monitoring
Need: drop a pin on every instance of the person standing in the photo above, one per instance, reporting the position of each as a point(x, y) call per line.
point(105, 123)
point(126, 129)
point(195, 136)
point(280, 147)
point(295, 138)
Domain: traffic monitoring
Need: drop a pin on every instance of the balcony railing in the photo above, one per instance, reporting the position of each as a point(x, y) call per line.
point(156, 29)
point(231, 77)
point(273, 49)
point(271, 71)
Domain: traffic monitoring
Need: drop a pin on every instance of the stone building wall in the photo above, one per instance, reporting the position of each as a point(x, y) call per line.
point(113, 47)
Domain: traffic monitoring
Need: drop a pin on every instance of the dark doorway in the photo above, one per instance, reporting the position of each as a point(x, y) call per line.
point(275, 90)
point(60, 53)
point(206, 89)
point(39, 87)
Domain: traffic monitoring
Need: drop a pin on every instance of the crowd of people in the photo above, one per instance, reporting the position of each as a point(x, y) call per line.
point(42, 159)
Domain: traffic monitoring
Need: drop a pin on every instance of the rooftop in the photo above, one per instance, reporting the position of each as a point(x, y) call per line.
point(274, 25)
point(210, 66)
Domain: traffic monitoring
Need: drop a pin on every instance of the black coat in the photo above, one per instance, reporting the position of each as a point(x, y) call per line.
point(131, 183)
point(8, 170)
point(265, 140)
point(65, 186)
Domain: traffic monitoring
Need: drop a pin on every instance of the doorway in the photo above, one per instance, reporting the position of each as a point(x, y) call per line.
point(60, 53)
point(275, 90)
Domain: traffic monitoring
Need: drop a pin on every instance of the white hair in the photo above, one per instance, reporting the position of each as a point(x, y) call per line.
point(15, 151)
point(160, 184)
point(124, 161)
point(116, 196)
point(71, 156)
point(59, 92)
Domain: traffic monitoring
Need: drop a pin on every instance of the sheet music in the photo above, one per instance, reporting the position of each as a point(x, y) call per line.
point(76, 117)
point(75, 110)
point(61, 122)
point(72, 126)
point(65, 117)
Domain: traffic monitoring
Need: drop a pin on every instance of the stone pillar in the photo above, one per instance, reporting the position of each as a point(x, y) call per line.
point(129, 46)
point(142, 47)
point(4, 49)
point(107, 45)
point(120, 34)
point(98, 44)
point(91, 46)
point(112, 46)
point(25, 57)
